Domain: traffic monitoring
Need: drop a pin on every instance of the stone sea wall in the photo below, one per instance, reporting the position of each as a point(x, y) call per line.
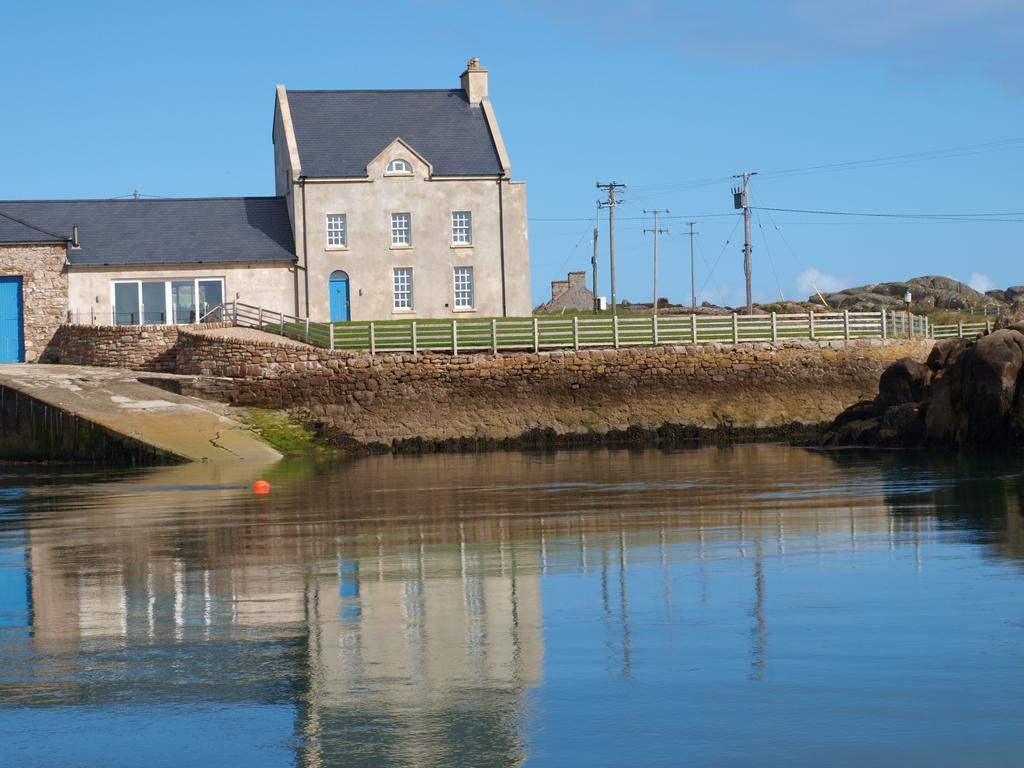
point(386, 399)
point(389, 399)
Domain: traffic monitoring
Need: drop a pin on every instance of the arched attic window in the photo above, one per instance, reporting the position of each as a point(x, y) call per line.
point(399, 167)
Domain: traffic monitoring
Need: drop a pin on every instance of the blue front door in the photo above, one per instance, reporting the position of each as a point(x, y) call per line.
point(339, 298)
point(11, 342)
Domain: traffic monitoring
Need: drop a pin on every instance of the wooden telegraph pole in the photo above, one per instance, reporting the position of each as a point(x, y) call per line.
point(612, 188)
point(741, 199)
point(656, 231)
point(693, 270)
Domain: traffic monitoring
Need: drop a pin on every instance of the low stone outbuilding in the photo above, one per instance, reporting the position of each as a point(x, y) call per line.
point(569, 295)
point(33, 292)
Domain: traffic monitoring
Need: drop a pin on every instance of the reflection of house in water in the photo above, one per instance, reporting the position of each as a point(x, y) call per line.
point(397, 602)
point(385, 645)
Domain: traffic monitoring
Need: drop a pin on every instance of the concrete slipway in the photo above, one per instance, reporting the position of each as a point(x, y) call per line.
point(79, 412)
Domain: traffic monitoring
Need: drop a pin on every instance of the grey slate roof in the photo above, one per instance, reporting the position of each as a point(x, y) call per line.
point(180, 231)
point(339, 132)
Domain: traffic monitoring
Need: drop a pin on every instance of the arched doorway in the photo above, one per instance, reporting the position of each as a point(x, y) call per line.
point(339, 297)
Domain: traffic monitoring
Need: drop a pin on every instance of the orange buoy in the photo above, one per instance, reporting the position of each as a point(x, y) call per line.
point(261, 486)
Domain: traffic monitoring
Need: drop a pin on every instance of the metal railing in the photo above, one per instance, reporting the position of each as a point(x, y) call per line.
point(209, 313)
point(536, 333)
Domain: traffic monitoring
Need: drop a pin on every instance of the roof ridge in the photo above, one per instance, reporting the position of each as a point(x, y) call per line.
point(374, 90)
point(149, 200)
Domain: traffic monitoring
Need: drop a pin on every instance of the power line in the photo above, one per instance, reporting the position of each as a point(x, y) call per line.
point(719, 258)
point(771, 261)
point(1005, 145)
point(965, 150)
point(634, 218)
point(782, 235)
point(32, 226)
point(923, 216)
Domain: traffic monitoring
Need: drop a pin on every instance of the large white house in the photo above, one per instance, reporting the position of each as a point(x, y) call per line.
point(389, 204)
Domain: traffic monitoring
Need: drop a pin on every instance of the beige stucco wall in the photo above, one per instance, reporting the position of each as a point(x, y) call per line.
point(266, 285)
point(369, 257)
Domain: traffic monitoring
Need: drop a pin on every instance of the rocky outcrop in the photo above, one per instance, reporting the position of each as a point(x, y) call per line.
point(966, 395)
point(1012, 318)
point(930, 292)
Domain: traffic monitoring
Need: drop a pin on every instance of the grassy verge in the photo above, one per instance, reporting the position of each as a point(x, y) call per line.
point(279, 430)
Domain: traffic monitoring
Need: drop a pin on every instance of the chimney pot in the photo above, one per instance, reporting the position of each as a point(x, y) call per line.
point(474, 81)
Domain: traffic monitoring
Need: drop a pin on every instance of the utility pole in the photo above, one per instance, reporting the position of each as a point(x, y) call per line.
point(612, 188)
point(593, 266)
point(741, 199)
point(656, 231)
point(693, 271)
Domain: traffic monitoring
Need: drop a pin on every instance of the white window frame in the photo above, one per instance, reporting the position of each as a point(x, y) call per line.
point(464, 299)
point(462, 228)
point(392, 170)
point(168, 295)
point(402, 296)
point(401, 236)
point(332, 232)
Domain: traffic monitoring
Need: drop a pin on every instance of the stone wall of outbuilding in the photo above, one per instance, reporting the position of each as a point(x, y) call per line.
point(44, 291)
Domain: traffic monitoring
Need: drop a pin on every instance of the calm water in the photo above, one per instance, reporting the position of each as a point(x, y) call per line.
point(751, 605)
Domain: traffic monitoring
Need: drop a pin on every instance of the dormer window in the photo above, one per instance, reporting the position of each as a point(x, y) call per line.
point(399, 168)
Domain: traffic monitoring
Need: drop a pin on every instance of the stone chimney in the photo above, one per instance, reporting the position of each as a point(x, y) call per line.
point(474, 81)
point(558, 288)
point(578, 280)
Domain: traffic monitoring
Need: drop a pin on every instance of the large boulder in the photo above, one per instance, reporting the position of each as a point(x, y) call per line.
point(985, 389)
point(945, 353)
point(902, 425)
point(1012, 318)
point(941, 419)
point(905, 381)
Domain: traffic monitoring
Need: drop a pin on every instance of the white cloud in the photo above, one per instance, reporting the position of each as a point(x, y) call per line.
point(723, 295)
point(980, 282)
point(811, 279)
point(979, 37)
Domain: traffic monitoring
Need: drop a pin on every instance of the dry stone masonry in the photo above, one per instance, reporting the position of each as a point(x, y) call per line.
point(391, 398)
point(44, 288)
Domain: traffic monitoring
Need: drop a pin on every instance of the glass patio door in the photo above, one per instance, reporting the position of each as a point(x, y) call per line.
point(154, 303)
point(183, 301)
point(211, 293)
point(126, 304)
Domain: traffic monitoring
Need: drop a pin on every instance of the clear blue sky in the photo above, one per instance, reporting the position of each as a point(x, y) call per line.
point(176, 99)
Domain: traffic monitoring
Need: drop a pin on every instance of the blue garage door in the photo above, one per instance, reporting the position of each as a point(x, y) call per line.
point(11, 348)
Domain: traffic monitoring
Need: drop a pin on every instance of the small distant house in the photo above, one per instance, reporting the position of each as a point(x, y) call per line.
point(389, 204)
point(568, 295)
